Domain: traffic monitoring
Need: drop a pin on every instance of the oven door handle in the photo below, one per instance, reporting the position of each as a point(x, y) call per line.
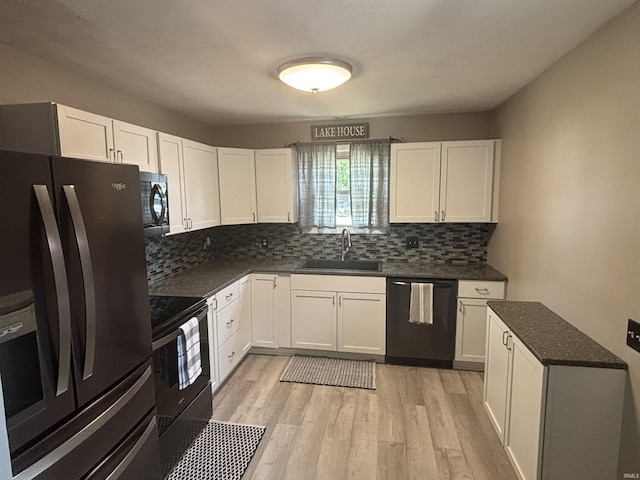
point(166, 339)
point(161, 342)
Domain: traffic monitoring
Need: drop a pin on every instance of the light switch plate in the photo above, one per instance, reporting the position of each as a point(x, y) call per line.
point(633, 335)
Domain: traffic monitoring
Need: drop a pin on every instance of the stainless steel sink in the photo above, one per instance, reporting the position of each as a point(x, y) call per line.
point(355, 265)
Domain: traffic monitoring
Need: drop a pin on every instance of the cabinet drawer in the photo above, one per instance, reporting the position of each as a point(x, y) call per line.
point(338, 283)
point(228, 322)
point(229, 354)
point(227, 295)
point(481, 289)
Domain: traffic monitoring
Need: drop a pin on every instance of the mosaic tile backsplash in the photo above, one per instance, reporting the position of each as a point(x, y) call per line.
point(439, 243)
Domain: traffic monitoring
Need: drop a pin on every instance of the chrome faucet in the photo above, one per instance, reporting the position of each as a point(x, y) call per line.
point(345, 249)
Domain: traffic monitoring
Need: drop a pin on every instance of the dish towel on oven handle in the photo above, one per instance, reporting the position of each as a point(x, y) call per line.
point(421, 304)
point(189, 365)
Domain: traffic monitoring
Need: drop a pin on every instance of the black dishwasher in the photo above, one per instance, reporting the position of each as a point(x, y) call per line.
point(428, 345)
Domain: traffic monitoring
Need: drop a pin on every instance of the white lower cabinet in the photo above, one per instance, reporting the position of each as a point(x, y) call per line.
point(471, 320)
point(348, 319)
point(555, 421)
point(264, 302)
point(232, 326)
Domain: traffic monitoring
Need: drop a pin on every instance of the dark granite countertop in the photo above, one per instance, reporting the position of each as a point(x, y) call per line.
point(553, 340)
point(209, 277)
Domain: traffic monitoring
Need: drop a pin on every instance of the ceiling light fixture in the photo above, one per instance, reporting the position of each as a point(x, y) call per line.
point(314, 74)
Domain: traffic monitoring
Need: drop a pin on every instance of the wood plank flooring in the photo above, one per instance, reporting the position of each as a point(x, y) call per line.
point(420, 424)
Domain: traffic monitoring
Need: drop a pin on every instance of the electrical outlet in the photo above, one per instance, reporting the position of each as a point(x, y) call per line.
point(633, 335)
point(412, 242)
point(265, 243)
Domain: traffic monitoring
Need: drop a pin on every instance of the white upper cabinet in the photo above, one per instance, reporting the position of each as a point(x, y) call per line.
point(192, 174)
point(236, 167)
point(414, 190)
point(201, 179)
point(444, 182)
point(94, 137)
point(276, 185)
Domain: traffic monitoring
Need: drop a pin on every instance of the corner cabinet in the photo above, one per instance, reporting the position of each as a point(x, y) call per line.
point(433, 182)
point(192, 171)
point(338, 313)
point(236, 167)
point(276, 185)
point(471, 320)
point(55, 129)
point(555, 421)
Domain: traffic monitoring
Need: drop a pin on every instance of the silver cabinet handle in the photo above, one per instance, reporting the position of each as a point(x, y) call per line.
point(60, 284)
point(112, 150)
point(461, 309)
point(230, 322)
point(233, 354)
point(435, 215)
point(185, 223)
point(504, 337)
point(510, 344)
point(120, 155)
point(254, 216)
point(333, 299)
point(288, 216)
point(86, 266)
point(340, 300)
point(442, 215)
point(275, 282)
point(482, 291)
point(227, 297)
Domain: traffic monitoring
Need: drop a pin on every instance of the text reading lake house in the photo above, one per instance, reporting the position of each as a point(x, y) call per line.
point(344, 131)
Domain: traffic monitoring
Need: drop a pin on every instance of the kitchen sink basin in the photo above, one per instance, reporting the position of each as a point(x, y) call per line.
point(354, 265)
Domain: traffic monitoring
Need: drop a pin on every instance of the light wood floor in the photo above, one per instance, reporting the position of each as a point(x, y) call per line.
point(420, 423)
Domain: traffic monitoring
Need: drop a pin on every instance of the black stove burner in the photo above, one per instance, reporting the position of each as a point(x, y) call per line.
point(165, 311)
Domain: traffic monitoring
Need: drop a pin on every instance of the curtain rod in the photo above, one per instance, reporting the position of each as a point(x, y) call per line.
point(298, 143)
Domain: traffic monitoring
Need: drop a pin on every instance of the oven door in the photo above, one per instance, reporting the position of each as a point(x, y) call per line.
point(170, 399)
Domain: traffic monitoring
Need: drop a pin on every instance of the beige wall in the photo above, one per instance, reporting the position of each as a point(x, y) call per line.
point(569, 230)
point(28, 79)
point(419, 128)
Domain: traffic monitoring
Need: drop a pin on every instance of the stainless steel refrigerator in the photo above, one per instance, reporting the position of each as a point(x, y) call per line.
point(75, 334)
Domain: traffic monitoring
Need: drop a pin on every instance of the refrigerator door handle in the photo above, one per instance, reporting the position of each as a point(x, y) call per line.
point(86, 266)
point(60, 284)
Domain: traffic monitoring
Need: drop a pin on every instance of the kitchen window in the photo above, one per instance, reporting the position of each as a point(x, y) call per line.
point(344, 185)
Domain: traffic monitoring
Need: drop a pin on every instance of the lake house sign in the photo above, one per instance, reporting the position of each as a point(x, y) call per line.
point(342, 131)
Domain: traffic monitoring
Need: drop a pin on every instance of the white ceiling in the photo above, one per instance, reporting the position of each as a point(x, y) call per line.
point(215, 60)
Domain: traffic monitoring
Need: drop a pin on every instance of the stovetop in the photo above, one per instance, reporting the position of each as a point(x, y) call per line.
point(166, 310)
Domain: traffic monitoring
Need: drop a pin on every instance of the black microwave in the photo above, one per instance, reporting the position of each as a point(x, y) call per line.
point(155, 203)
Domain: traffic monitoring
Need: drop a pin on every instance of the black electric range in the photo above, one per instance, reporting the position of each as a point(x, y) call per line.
point(167, 312)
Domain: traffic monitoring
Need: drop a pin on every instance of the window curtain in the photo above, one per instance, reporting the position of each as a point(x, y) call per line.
point(317, 185)
point(370, 183)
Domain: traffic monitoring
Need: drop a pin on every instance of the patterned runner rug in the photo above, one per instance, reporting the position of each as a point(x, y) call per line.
point(222, 451)
point(331, 371)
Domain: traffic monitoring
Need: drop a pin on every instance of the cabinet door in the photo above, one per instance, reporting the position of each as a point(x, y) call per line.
point(466, 184)
point(237, 186)
point(414, 187)
point(471, 330)
point(264, 309)
point(135, 146)
point(85, 135)
point(361, 323)
point(276, 186)
point(496, 373)
point(202, 197)
point(313, 319)
point(244, 305)
point(170, 160)
point(524, 431)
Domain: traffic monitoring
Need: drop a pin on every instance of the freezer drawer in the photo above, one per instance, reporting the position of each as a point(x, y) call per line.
point(74, 449)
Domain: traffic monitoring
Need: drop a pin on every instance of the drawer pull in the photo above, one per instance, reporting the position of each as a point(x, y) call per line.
point(227, 297)
point(233, 354)
point(483, 291)
point(230, 322)
point(504, 340)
